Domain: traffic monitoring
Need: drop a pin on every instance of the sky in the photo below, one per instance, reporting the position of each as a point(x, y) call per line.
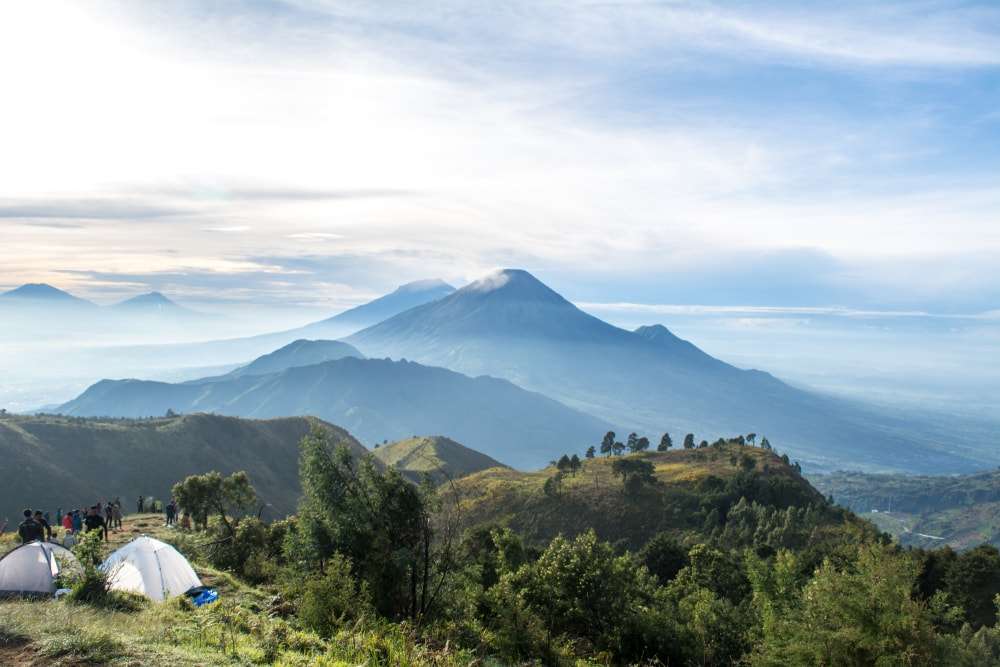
point(784, 155)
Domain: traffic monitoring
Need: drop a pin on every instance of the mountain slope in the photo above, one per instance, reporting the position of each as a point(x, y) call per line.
point(441, 458)
point(510, 325)
point(59, 462)
point(689, 486)
point(151, 302)
point(296, 353)
point(375, 399)
point(42, 293)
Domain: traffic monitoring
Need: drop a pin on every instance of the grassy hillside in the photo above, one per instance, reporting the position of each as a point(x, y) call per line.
point(693, 493)
point(929, 511)
point(52, 461)
point(435, 455)
point(248, 626)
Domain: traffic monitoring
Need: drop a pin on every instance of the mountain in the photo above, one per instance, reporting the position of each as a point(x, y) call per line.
point(403, 298)
point(296, 353)
point(439, 457)
point(687, 488)
point(511, 325)
point(376, 399)
point(151, 302)
point(70, 462)
point(43, 294)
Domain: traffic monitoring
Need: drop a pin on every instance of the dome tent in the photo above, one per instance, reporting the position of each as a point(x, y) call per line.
point(150, 567)
point(32, 569)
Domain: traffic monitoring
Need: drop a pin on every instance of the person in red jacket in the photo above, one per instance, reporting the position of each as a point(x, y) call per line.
point(67, 522)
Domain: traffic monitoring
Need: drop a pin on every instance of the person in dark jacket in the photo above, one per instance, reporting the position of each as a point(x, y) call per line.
point(43, 522)
point(29, 530)
point(95, 521)
point(77, 521)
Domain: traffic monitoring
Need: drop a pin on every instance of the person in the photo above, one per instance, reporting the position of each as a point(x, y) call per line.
point(59, 516)
point(43, 522)
point(171, 508)
point(67, 522)
point(69, 540)
point(95, 521)
point(116, 515)
point(186, 521)
point(109, 514)
point(29, 530)
point(139, 504)
point(77, 521)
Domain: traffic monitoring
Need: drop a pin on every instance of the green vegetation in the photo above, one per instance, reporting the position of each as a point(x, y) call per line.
point(67, 461)
point(960, 511)
point(717, 555)
point(437, 456)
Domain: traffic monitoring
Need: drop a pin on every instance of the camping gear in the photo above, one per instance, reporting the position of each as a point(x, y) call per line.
point(202, 595)
point(32, 569)
point(150, 567)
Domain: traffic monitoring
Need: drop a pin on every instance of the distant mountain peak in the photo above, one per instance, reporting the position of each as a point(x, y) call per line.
point(513, 283)
point(39, 291)
point(656, 332)
point(149, 301)
point(423, 286)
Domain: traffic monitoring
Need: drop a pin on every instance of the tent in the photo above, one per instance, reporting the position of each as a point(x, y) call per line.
point(32, 568)
point(150, 567)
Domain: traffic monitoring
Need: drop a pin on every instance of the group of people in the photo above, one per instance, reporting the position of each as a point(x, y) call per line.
point(101, 516)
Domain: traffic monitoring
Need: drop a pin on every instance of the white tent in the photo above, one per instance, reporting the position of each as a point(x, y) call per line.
point(32, 568)
point(151, 568)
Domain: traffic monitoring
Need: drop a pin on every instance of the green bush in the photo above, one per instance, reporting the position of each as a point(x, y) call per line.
point(327, 600)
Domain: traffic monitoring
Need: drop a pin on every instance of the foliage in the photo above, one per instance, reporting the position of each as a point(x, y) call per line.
point(211, 493)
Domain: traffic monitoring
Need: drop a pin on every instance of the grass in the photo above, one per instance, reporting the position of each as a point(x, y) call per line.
point(594, 496)
point(245, 628)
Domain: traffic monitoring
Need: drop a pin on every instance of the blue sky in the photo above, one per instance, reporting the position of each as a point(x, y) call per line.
point(317, 153)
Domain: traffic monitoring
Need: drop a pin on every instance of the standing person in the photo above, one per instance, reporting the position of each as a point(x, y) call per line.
point(116, 515)
point(77, 521)
point(67, 521)
point(139, 504)
point(44, 523)
point(95, 521)
point(109, 514)
point(170, 512)
point(29, 530)
point(59, 516)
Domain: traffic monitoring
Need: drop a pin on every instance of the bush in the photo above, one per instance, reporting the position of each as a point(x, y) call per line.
point(328, 600)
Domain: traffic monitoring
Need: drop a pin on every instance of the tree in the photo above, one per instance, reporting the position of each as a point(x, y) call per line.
point(378, 520)
point(575, 464)
point(608, 443)
point(563, 465)
point(665, 443)
point(634, 472)
point(211, 493)
point(630, 443)
point(617, 448)
point(664, 557)
point(553, 485)
point(591, 452)
point(765, 443)
point(689, 441)
point(752, 438)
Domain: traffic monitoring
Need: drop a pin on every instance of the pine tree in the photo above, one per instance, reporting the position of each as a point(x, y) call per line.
point(608, 443)
point(689, 441)
point(665, 443)
point(591, 452)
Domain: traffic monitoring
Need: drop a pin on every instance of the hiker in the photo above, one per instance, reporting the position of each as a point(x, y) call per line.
point(77, 521)
point(116, 515)
point(69, 540)
point(44, 523)
point(29, 530)
point(95, 521)
point(171, 508)
point(67, 521)
point(139, 504)
point(109, 515)
point(59, 516)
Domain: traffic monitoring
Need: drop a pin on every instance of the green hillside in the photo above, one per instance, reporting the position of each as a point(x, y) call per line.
point(435, 455)
point(51, 461)
point(961, 511)
point(694, 494)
